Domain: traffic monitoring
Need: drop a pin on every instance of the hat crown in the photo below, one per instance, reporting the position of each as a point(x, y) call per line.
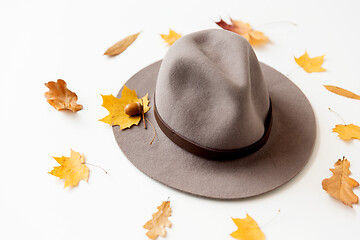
point(210, 90)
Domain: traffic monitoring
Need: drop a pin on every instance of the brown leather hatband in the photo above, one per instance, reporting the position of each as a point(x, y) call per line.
point(211, 153)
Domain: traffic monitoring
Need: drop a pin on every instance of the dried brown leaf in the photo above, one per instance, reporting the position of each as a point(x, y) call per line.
point(60, 97)
point(121, 45)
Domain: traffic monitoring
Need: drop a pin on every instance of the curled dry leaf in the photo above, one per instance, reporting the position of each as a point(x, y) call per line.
point(121, 46)
point(159, 221)
point(248, 229)
point(171, 37)
point(116, 108)
point(244, 29)
point(348, 131)
point(72, 169)
point(310, 65)
point(60, 97)
point(340, 185)
point(342, 92)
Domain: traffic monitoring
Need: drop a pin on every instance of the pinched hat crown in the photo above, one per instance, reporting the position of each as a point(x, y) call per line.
point(210, 91)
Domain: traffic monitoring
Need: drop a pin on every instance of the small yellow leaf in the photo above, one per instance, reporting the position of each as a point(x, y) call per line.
point(60, 97)
point(342, 92)
point(72, 169)
point(159, 221)
point(310, 65)
point(248, 229)
point(122, 45)
point(340, 185)
point(347, 132)
point(116, 106)
point(171, 38)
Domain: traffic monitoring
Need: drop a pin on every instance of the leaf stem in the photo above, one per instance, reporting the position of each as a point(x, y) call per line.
point(96, 166)
point(338, 116)
point(153, 129)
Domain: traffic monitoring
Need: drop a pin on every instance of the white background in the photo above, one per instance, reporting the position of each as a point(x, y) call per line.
point(42, 41)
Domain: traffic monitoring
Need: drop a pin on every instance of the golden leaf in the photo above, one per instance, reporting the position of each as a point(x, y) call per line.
point(342, 92)
point(347, 132)
point(72, 169)
point(116, 106)
point(171, 38)
point(60, 97)
point(248, 229)
point(121, 45)
point(310, 65)
point(340, 185)
point(159, 221)
point(244, 29)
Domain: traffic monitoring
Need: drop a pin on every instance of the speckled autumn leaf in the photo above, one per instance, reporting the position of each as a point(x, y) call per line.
point(244, 29)
point(348, 131)
point(171, 37)
point(122, 45)
point(72, 169)
point(342, 92)
point(60, 97)
point(159, 221)
point(310, 65)
point(340, 185)
point(248, 229)
point(116, 106)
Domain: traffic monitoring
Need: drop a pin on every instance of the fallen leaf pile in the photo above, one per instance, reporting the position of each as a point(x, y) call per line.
point(121, 46)
point(244, 29)
point(116, 108)
point(60, 97)
point(342, 92)
point(340, 185)
point(348, 131)
point(248, 229)
point(171, 37)
point(311, 65)
point(72, 169)
point(159, 221)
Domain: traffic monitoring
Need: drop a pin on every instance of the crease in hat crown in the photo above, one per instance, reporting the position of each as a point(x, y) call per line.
point(211, 91)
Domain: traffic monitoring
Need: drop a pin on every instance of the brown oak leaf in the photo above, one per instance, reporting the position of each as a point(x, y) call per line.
point(159, 221)
point(340, 185)
point(60, 97)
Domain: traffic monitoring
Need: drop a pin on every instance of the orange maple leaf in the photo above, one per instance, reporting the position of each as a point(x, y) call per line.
point(244, 29)
point(60, 97)
point(310, 65)
point(340, 185)
point(348, 131)
point(171, 37)
point(248, 229)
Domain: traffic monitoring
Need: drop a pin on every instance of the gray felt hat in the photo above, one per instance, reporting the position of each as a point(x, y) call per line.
point(227, 126)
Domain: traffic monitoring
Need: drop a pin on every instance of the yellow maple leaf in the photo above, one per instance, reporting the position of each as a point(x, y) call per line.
point(60, 97)
point(116, 106)
point(248, 229)
point(244, 29)
point(340, 185)
point(72, 169)
point(310, 65)
point(159, 221)
point(171, 37)
point(348, 131)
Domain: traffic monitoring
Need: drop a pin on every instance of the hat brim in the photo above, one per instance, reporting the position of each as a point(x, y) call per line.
point(286, 152)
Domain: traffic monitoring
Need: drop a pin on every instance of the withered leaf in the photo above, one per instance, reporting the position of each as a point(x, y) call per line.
point(159, 221)
point(244, 29)
point(121, 46)
point(171, 37)
point(60, 97)
point(340, 185)
point(342, 92)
